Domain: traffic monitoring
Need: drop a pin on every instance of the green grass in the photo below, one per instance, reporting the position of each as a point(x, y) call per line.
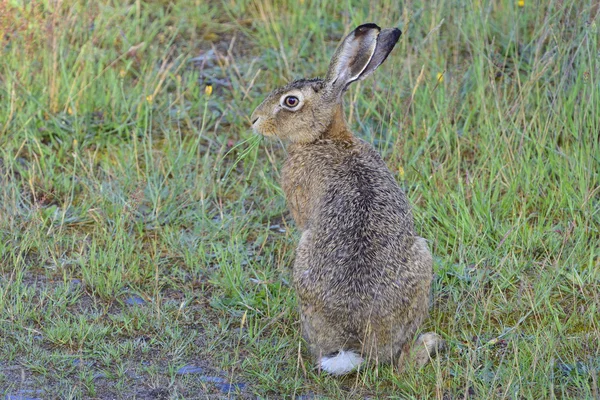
point(121, 178)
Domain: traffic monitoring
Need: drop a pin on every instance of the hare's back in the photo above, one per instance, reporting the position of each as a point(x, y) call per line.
point(362, 197)
point(362, 228)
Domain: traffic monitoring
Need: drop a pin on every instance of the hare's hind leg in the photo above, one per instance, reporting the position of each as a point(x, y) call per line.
point(429, 344)
point(426, 347)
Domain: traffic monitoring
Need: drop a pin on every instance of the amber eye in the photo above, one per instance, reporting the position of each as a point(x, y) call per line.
point(291, 101)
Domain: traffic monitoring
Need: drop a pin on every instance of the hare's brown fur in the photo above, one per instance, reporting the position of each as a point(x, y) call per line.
point(361, 273)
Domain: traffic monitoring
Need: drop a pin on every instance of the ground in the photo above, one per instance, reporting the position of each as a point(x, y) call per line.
point(145, 245)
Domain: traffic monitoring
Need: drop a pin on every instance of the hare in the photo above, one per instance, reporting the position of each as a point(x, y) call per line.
point(362, 276)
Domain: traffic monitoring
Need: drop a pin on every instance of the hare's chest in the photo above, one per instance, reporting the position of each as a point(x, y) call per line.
point(302, 182)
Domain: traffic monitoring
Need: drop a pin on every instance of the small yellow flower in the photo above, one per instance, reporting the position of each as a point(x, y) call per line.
point(178, 77)
point(521, 3)
point(149, 99)
point(69, 111)
point(210, 37)
point(440, 77)
point(401, 172)
point(586, 76)
point(122, 73)
point(75, 143)
point(208, 90)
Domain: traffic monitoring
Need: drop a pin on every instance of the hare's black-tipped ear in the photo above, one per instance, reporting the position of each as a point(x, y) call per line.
point(361, 52)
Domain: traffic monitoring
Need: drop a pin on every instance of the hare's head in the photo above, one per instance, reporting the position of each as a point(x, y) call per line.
point(303, 110)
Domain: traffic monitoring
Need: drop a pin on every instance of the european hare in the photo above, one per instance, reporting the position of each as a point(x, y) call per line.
point(362, 275)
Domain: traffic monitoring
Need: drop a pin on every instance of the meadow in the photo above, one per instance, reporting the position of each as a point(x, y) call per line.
point(145, 244)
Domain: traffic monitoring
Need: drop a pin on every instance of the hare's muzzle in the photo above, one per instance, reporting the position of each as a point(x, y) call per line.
point(256, 125)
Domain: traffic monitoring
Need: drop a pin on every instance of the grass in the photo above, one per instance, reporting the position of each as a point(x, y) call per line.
point(142, 228)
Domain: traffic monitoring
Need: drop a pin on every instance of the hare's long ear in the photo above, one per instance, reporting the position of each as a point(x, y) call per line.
point(361, 52)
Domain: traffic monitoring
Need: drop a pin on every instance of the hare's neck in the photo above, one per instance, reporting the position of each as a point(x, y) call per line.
point(338, 130)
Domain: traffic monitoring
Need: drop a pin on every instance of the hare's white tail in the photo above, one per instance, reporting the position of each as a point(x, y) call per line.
point(342, 363)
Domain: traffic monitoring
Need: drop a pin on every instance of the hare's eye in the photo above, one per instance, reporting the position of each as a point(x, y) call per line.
point(291, 101)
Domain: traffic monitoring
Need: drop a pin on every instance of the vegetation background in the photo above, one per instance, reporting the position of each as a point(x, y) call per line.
point(145, 246)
